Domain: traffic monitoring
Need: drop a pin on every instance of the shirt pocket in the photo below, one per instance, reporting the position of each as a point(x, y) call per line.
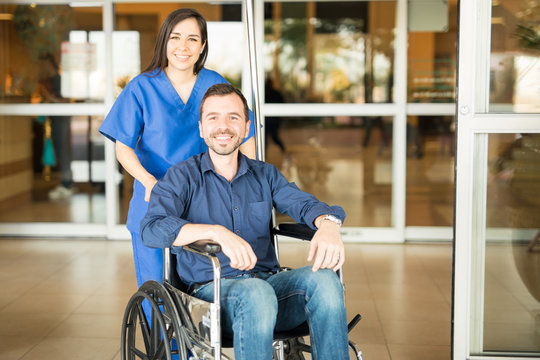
point(258, 219)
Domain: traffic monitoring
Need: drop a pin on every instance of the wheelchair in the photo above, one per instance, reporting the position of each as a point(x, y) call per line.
point(183, 327)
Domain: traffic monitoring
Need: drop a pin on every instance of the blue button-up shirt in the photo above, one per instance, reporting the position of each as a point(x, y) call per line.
point(193, 192)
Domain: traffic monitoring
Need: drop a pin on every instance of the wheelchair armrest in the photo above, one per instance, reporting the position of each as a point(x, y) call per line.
point(204, 247)
point(298, 231)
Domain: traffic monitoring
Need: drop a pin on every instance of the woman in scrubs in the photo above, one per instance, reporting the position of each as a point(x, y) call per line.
point(154, 121)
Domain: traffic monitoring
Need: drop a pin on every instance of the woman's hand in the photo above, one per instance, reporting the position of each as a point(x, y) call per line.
point(128, 159)
point(148, 186)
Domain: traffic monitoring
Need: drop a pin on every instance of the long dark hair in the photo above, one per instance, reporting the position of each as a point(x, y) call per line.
point(159, 60)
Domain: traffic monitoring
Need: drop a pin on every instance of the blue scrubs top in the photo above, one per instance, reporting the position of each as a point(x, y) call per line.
point(150, 117)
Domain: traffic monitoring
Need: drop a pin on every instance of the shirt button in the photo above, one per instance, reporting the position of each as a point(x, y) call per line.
point(236, 208)
point(238, 231)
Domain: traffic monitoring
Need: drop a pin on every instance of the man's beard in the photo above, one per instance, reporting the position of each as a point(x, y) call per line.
point(223, 150)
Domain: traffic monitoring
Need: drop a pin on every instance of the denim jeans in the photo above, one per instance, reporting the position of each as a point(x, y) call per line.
point(252, 305)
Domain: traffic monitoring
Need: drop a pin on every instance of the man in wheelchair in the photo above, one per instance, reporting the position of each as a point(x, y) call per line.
point(226, 197)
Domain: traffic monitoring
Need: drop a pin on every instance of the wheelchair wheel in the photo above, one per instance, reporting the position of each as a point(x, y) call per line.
point(162, 337)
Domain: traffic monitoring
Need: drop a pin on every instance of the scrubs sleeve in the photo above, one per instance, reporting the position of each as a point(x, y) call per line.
point(124, 122)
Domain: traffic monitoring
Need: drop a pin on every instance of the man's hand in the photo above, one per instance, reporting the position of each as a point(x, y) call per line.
point(327, 247)
point(236, 249)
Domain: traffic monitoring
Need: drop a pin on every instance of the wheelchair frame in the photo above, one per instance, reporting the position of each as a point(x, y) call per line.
point(183, 325)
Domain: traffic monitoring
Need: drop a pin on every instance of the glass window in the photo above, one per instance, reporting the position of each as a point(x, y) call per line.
point(48, 56)
point(511, 317)
point(330, 52)
point(140, 23)
point(52, 169)
point(430, 170)
point(431, 75)
point(344, 161)
point(514, 84)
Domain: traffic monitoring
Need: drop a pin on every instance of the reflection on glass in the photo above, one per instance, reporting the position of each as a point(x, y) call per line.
point(331, 52)
point(431, 76)
point(52, 169)
point(512, 273)
point(140, 23)
point(40, 53)
point(345, 161)
point(515, 56)
point(430, 170)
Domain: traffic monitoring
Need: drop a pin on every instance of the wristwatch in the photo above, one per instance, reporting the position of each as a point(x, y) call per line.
point(333, 219)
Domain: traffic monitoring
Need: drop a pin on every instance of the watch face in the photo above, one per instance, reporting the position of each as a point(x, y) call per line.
point(333, 219)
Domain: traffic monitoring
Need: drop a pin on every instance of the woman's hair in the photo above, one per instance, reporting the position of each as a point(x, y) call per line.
point(159, 59)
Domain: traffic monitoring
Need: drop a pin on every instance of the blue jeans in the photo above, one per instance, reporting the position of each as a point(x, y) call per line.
point(252, 305)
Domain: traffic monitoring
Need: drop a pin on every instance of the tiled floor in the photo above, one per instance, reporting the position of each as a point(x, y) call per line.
point(64, 299)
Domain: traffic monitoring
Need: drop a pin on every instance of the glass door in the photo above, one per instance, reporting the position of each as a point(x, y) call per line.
point(335, 105)
point(497, 255)
point(52, 99)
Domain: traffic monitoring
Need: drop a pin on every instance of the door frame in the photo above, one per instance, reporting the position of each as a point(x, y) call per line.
point(474, 124)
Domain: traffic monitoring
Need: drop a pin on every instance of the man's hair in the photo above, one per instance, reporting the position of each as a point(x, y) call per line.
point(222, 90)
point(159, 59)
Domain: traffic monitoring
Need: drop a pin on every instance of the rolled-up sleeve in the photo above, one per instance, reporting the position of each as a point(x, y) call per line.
point(163, 220)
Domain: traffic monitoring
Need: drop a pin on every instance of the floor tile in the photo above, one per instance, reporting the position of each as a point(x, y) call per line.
point(90, 326)
point(14, 347)
point(101, 304)
point(30, 325)
point(413, 310)
point(418, 352)
point(72, 348)
point(417, 332)
point(45, 303)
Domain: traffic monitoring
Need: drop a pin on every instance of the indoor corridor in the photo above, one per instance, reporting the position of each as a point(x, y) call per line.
point(65, 298)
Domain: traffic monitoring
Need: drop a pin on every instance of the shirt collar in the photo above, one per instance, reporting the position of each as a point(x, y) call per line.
point(207, 165)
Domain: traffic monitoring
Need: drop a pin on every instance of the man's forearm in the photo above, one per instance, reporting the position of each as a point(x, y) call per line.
point(239, 251)
point(189, 233)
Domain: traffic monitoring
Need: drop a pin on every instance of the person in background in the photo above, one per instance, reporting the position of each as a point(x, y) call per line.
point(50, 92)
point(154, 121)
point(272, 95)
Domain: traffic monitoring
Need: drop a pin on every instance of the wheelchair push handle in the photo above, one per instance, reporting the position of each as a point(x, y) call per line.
point(204, 247)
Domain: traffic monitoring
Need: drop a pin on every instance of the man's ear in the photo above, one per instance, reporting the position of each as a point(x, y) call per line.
point(200, 130)
point(248, 123)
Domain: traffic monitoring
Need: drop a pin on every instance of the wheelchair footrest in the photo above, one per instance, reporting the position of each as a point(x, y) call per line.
point(354, 321)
